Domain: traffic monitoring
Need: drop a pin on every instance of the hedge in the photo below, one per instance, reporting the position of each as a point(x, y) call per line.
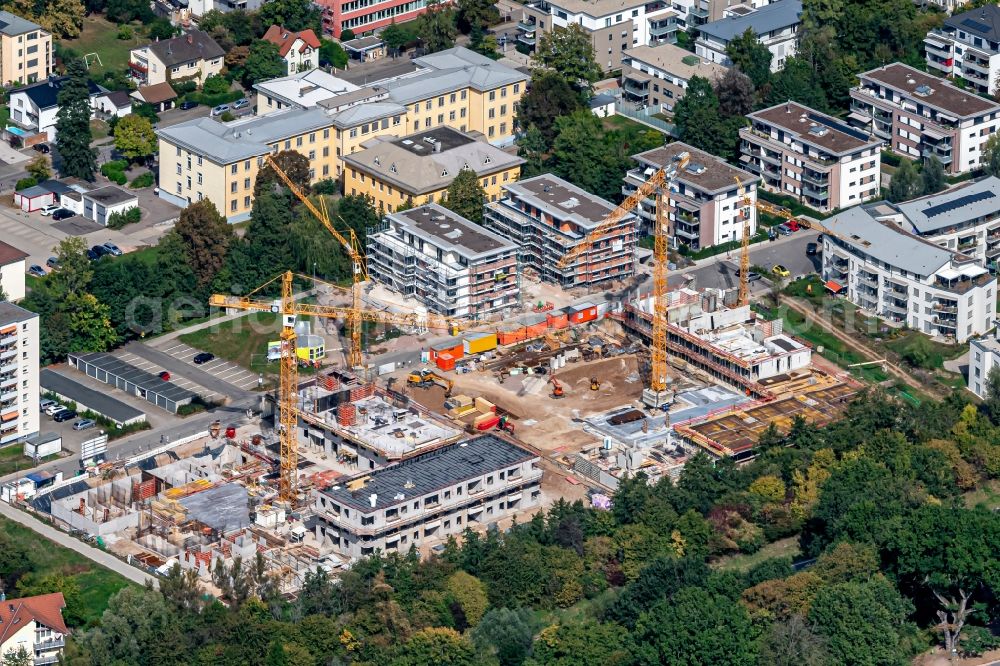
point(143, 180)
point(119, 220)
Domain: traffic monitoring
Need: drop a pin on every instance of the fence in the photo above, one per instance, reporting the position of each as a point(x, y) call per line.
point(645, 116)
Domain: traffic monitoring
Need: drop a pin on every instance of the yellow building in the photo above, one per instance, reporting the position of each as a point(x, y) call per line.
point(418, 169)
point(25, 50)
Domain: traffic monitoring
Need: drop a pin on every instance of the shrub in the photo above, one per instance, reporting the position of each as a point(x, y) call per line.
point(186, 86)
point(125, 32)
point(115, 171)
point(25, 182)
point(119, 220)
point(143, 180)
point(215, 85)
point(227, 117)
point(326, 186)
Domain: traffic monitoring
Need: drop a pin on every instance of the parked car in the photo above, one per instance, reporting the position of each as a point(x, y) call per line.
point(43, 148)
point(165, 376)
point(112, 249)
point(36, 270)
point(219, 110)
point(780, 270)
point(794, 225)
point(52, 409)
point(53, 263)
point(241, 103)
point(188, 105)
point(64, 415)
point(784, 230)
point(62, 214)
point(812, 249)
point(83, 424)
point(100, 250)
point(45, 403)
point(49, 209)
point(203, 357)
point(93, 256)
point(752, 276)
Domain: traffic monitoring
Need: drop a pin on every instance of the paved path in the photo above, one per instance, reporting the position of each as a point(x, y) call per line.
point(63, 539)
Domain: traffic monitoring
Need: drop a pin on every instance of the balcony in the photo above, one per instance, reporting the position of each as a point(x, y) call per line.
point(945, 323)
point(47, 659)
point(51, 644)
point(820, 179)
point(895, 306)
point(950, 309)
point(662, 30)
point(820, 194)
point(697, 10)
point(524, 26)
point(8, 354)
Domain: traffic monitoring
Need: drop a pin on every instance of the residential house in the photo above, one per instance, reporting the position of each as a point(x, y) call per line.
point(300, 50)
point(776, 26)
point(35, 107)
point(19, 388)
point(823, 161)
point(967, 47)
point(34, 625)
point(704, 207)
point(12, 272)
point(198, 8)
point(984, 355)
point(193, 56)
point(418, 168)
point(112, 104)
point(921, 116)
point(25, 50)
point(656, 76)
point(452, 266)
point(160, 96)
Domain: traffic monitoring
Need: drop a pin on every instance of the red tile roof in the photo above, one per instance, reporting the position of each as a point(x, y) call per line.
point(44, 609)
point(9, 254)
point(285, 39)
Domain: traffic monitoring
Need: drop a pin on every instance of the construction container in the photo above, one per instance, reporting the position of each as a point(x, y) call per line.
point(347, 414)
point(477, 343)
point(486, 421)
point(557, 319)
point(446, 362)
point(582, 313)
point(511, 334)
point(535, 325)
point(455, 348)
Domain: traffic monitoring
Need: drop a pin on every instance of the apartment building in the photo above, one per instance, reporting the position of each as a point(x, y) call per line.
point(363, 17)
point(35, 625)
point(967, 47)
point(429, 497)
point(418, 168)
point(904, 279)
point(984, 355)
point(919, 116)
point(547, 217)
point(299, 50)
point(657, 76)
point(12, 271)
point(25, 50)
point(776, 26)
point(452, 266)
point(192, 56)
point(823, 161)
point(19, 388)
point(704, 206)
point(35, 107)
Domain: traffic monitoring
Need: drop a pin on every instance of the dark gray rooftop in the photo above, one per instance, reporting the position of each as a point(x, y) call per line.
point(110, 196)
point(101, 402)
point(12, 24)
point(562, 199)
point(10, 313)
point(973, 201)
point(980, 22)
point(768, 18)
point(195, 45)
point(450, 231)
point(431, 471)
point(226, 507)
point(423, 143)
point(145, 380)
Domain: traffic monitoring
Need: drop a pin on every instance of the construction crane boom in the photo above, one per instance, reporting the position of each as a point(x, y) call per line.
point(745, 203)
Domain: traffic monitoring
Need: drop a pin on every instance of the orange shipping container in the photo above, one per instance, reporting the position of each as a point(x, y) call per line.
point(453, 348)
point(557, 319)
point(511, 335)
point(580, 314)
point(446, 362)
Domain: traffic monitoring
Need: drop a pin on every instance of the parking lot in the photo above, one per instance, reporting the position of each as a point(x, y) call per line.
point(175, 379)
point(228, 372)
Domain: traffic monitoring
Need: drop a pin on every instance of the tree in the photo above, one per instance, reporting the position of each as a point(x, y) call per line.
point(396, 37)
point(333, 53)
point(700, 122)
point(295, 15)
point(73, 136)
point(31, 585)
point(75, 270)
point(346, 35)
point(136, 620)
point(735, 92)
point(549, 97)
point(39, 168)
point(793, 643)
point(64, 18)
point(476, 15)
point(468, 594)
point(751, 57)
point(532, 147)
point(436, 646)
point(932, 176)
point(14, 561)
point(17, 657)
point(570, 53)
point(796, 82)
point(293, 163)
point(991, 156)
point(134, 137)
point(162, 28)
point(992, 402)
point(504, 634)
point(264, 251)
point(580, 643)
point(207, 238)
point(466, 196)
point(436, 27)
point(263, 62)
point(905, 183)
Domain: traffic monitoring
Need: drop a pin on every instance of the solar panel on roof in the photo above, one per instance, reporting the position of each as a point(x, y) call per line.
point(958, 203)
point(973, 24)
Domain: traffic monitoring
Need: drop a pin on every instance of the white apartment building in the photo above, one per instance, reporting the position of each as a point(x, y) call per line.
point(429, 497)
point(19, 388)
point(34, 625)
point(823, 161)
point(967, 47)
point(657, 76)
point(704, 204)
point(450, 265)
point(918, 116)
point(776, 26)
point(984, 355)
point(12, 271)
point(904, 279)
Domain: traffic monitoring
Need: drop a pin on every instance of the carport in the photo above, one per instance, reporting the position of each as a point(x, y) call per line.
point(88, 399)
point(126, 377)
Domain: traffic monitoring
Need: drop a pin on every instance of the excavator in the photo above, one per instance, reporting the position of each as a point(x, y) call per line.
point(425, 378)
point(557, 389)
point(595, 384)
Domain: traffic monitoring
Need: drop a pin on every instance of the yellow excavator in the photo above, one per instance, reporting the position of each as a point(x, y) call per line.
point(425, 378)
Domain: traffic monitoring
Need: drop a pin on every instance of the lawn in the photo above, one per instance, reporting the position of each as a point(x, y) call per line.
point(788, 547)
point(12, 459)
point(96, 583)
point(619, 122)
point(242, 340)
point(988, 494)
point(101, 37)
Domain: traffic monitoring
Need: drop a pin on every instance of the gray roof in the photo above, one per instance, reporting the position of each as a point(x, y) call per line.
point(450, 231)
point(450, 70)
point(563, 199)
point(144, 380)
point(10, 313)
point(99, 401)
point(365, 113)
point(885, 242)
point(981, 22)
point(195, 45)
point(12, 24)
point(34, 191)
point(987, 344)
point(110, 195)
point(953, 207)
point(363, 43)
point(774, 16)
point(431, 471)
point(225, 507)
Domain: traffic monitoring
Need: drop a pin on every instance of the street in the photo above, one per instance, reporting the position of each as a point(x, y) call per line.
point(790, 252)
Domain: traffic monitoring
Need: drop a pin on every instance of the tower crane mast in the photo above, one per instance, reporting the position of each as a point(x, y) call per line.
point(745, 204)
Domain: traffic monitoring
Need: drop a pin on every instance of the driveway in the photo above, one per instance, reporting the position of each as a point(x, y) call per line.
point(11, 156)
point(789, 252)
point(220, 377)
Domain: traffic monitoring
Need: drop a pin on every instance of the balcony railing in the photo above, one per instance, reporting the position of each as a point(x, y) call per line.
point(46, 659)
point(51, 644)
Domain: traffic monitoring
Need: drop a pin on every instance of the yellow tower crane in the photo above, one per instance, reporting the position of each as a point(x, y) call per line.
point(745, 203)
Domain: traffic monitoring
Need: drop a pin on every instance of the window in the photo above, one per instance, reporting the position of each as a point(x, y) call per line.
point(199, 160)
point(452, 98)
point(492, 113)
point(493, 95)
point(189, 182)
point(246, 202)
point(298, 141)
point(233, 168)
point(461, 114)
point(312, 154)
point(232, 205)
point(517, 88)
point(312, 137)
point(232, 187)
point(288, 144)
point(440, 118)
point(451, 115)
point(246, 165)
point(428, 105)
point(463, 94)
point(189, 162)
point(178, 169)
point(441, 100)
point(199, 178)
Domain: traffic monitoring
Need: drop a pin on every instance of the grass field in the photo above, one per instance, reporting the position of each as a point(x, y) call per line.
point(988, 495)
point(788, 547)
point(242, 341)
point(101, 37)
point(96, 583)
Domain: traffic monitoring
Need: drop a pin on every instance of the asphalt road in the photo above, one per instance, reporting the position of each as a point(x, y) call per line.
point(790, 253)
point(187, 369)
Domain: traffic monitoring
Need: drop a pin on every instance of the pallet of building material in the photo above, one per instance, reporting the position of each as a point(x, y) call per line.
point(461, 400)
point(483, 405)
point(459, 412)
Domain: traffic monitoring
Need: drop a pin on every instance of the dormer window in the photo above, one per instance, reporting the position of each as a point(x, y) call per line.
point(488, 160)
point(378, 161)
point(444, 173)
point(392, 167)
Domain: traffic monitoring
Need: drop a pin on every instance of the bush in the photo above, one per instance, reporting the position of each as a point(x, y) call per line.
point(25, 182)
point(185, 87)
point(125, 32)
point(346, 35)
point(975, 641)
point(143, 180)
point(115, 171)
point(326, 186)
point(227, 117)
point(119, 220)
point(215, 85)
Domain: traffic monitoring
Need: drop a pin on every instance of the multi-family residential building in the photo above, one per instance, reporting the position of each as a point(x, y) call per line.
point(548, 217)
point(452, 266)
point(33, 625)
point(12, 271)
point(19, 388)
point(193, 56)
point(776, 26)
point(418, 168)
point(920, 116)
point(657, 76)
point(705, 207)
point(905, 279)
point(305, 90)
point(25, 50)
point(198, 8)
point(967, 47)
point(823, 161)
point(34, 108)
point(300, 50)
point(984, 355)
point(429, 497)
point(362, 17)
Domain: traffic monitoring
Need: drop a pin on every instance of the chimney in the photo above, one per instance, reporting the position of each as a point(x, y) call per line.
point(190, 39)
point(437, 147)
point(373, 499)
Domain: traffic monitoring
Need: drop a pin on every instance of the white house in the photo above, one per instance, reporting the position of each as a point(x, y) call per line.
point(34, 624)
point(984, 355)
point(300, 50)
point(967, 47)
point(113, 104)
point(34, 107)
point(776, 26)
point(100, 204)
point(12, 271)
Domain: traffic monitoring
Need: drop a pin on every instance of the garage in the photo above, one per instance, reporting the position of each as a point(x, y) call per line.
point(107, 369)
point(87, 399)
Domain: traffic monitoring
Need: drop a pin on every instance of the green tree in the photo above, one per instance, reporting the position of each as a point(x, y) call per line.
point(333, 53)
point(39, 168)
point(75, 270)
point(436, 27)
point(570, 53)
point(532, 147)
point(396, 37)
point(991, 404)
point(207, 238)
point(991, 156)
point(17, 657)
point(700, 122)
point(162, 28)
point(264, 252)
point(437, 646)
point(735, 92)
point(73, 136)
point(466, 196)
point(504, 634)
point(346, 35)
point(476, 15)
point(295, 15)
point(905, 183)
point(134, 137)
point(136, 628)
point(580, 643)
point(932, 176)
point(751, 57)
point(263, 63)
point(468, 594)
point(74, 613)
point(293, 163)
point(14, 561)
point(796, 82)
point(549, 98)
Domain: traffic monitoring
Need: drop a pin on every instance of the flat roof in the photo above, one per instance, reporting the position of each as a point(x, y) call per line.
point(768, 18)
point(99, 401)
point(562, 199)
point(930, 90)
point(225, 507)
point(819, 129)
point(704, 171)
point(144, 380)
point(450, 231)
point(596, 8)
point(677, 61)
point(12, 24)
point(396, 432)
point(363, 43)
point(110, 195)
point(424, 473)
point(306, 88)
point(10, 313)
point(952, 207)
